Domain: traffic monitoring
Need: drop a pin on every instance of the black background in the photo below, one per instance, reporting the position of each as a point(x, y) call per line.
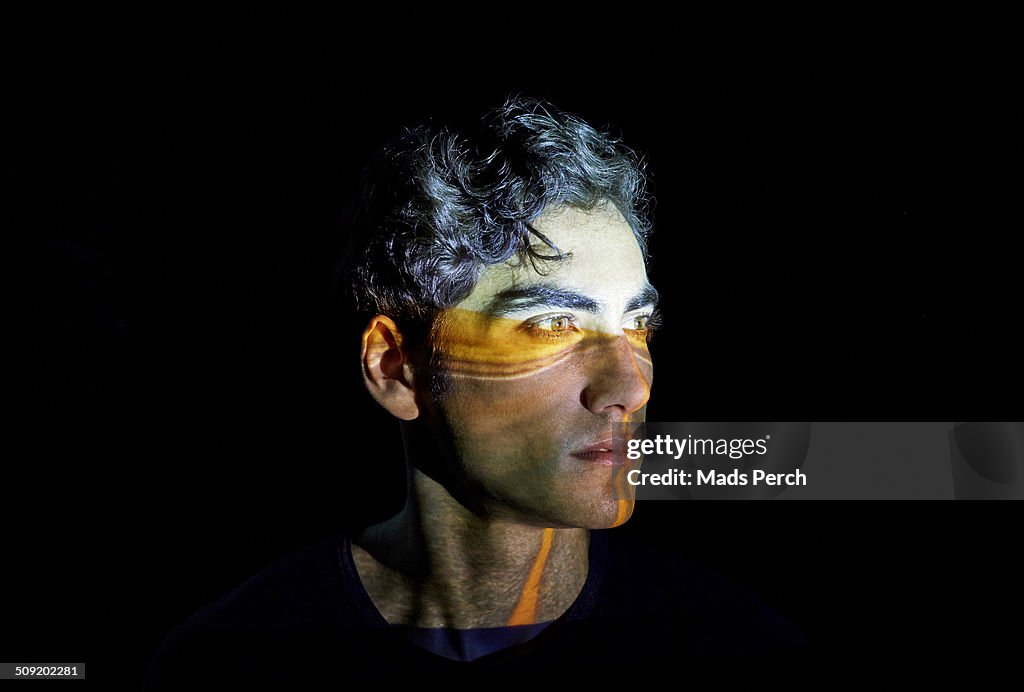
point(834, 241)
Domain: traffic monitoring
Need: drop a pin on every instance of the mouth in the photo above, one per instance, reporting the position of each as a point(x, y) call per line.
point(604, 453)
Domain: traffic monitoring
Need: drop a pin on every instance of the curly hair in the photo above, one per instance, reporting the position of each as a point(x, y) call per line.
point(438, 205)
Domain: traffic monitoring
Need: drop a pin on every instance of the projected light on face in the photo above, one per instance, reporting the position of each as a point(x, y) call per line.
point(540, 370)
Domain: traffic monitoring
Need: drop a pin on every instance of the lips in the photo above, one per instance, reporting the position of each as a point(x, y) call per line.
point(607, 452)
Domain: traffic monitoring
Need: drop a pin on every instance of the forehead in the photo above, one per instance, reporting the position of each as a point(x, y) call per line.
point(605, 263)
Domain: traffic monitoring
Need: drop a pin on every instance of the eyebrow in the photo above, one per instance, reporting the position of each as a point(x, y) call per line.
point(647, 296)
point(544, 295)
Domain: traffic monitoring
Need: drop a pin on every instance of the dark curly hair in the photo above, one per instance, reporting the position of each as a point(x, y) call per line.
point(437, 204)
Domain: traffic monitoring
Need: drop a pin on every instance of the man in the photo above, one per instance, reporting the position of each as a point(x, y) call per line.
point(502, 270)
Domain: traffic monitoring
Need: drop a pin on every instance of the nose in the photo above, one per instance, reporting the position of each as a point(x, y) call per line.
point(618, 378)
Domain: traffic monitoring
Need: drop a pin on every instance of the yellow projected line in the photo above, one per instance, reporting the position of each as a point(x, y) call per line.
point(526, 612)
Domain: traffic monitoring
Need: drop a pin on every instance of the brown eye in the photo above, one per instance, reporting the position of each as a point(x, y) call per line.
point(559, 324)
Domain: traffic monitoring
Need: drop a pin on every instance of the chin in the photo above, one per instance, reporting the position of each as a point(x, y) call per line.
point(623, 511)
point(605, 513)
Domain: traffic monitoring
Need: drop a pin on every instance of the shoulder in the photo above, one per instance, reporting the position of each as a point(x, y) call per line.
point(290, 592)
point(300, 596)
point(690, 604)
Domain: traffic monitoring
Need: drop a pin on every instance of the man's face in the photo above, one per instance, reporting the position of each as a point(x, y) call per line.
point(541, 370)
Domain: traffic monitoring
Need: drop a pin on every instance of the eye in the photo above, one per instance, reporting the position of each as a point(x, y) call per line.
point(558, 324)
point(551, 326)
point(644, 326)
point(554, 323)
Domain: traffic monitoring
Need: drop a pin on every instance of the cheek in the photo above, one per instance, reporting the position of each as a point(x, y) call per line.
point(515, 407)
point(646, 366)
point(511, 434)
point(500, 377)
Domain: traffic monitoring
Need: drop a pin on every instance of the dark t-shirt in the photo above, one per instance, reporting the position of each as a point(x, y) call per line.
point(306, 622)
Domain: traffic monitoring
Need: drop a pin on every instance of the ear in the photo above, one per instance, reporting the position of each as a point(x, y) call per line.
point(386, 371)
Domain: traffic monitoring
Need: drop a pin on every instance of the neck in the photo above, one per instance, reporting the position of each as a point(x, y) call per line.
point(438, 564)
